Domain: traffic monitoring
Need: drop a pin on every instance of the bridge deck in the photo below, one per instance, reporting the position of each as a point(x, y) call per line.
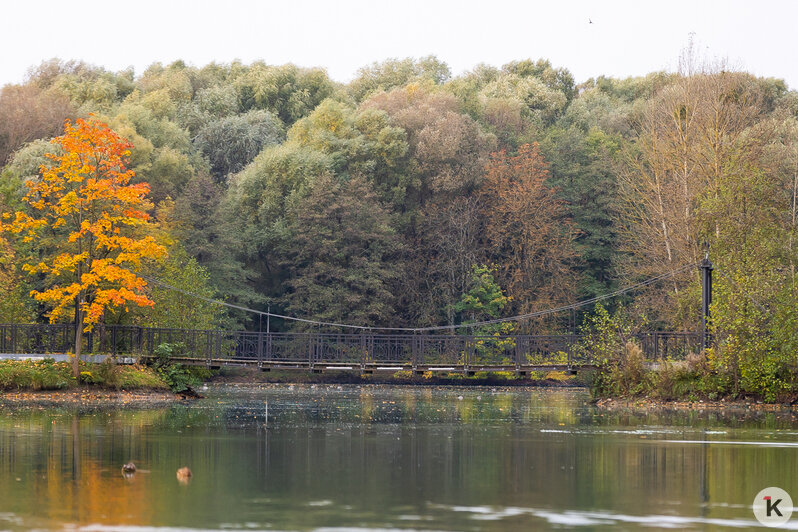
point(371, 367)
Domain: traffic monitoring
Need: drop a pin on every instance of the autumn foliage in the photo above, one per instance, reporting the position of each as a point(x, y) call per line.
point(84, 206)
point(528, 230)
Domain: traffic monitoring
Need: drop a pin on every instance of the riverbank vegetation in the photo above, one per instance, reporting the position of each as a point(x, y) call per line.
point(413, 197)
point(47, 374)
point(624, 372)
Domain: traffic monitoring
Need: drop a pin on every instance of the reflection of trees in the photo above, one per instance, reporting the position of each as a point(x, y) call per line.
point(69, 464)
point(71, 470)
point(372, 448)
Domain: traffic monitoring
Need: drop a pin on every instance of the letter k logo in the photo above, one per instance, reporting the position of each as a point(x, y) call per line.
point(772, 506)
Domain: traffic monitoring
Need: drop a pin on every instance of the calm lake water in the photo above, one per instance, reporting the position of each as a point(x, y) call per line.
point(353, 458)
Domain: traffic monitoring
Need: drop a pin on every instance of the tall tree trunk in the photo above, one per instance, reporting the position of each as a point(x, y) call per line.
point(78, 343)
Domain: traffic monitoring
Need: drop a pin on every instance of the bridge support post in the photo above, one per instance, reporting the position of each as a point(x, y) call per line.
point(310, 351)
point(416, 352)
point(469, 355)
point(260, 349)
point(363, 349)
point(571, 343)
point(369, 354)
point(706, 301)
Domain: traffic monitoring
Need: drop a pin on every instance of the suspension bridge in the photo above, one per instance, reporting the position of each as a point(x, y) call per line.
point(447, 348)
point(318, 352)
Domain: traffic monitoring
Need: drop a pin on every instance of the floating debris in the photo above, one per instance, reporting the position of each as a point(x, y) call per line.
point(184, 475)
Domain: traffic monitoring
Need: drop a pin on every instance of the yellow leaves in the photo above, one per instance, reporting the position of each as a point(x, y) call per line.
point(68, 262)
point(22, 224)
point(69, 199)
point(85, 201)
point(36, 268)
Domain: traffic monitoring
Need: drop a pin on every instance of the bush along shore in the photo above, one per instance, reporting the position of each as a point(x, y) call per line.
point(712, 376)
point(47, 375)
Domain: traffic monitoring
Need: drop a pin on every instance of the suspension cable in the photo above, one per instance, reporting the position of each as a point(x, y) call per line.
point(573, 306)
point(511, 319)
point(246, 309)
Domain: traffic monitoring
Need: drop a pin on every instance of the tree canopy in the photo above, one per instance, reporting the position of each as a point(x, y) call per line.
point(92, 224)
point(392, 198)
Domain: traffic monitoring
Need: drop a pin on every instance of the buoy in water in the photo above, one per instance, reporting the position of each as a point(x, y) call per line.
point(183, 475)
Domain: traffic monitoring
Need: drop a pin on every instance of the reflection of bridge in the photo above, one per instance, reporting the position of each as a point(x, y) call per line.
point(365, 352)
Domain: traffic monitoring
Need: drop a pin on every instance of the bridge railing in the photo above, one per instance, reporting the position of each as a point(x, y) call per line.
point(36, 338)
point(401, 350)
point(662, 345)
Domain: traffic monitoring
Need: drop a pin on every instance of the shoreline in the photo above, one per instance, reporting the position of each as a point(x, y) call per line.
point(643, 404)
point(254, 376)
point(92, 396)
point(89, 396)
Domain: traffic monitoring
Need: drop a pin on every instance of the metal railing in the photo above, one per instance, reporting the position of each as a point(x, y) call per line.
point(350, 350)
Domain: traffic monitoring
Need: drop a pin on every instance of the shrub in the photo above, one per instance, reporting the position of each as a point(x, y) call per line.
point(138, 377)
point(50, 375)
point(179, 378)
point(620, 363)
point(35, 375)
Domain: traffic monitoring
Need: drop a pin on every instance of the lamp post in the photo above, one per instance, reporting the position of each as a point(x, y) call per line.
point(706, 300)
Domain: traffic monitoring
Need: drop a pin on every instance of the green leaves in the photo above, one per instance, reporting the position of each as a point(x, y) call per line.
point(343, 255)
point(484, 300)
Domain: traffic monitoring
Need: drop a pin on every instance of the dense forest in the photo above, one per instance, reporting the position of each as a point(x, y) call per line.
point(410, 197)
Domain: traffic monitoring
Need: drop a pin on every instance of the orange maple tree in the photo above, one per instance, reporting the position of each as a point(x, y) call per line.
point(85, 204)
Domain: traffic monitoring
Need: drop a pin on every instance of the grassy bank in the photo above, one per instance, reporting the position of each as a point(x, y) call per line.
point(16, 375)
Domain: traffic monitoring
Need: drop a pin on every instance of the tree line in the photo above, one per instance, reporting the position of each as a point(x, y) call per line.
point(412, 197)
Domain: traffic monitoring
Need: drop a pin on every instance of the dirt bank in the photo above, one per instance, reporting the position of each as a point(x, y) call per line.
point(85, 396)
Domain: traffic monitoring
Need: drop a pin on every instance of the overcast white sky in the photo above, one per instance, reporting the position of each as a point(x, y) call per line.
point(626, 38)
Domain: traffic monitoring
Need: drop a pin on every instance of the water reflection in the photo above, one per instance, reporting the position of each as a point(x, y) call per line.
point(302, 457)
